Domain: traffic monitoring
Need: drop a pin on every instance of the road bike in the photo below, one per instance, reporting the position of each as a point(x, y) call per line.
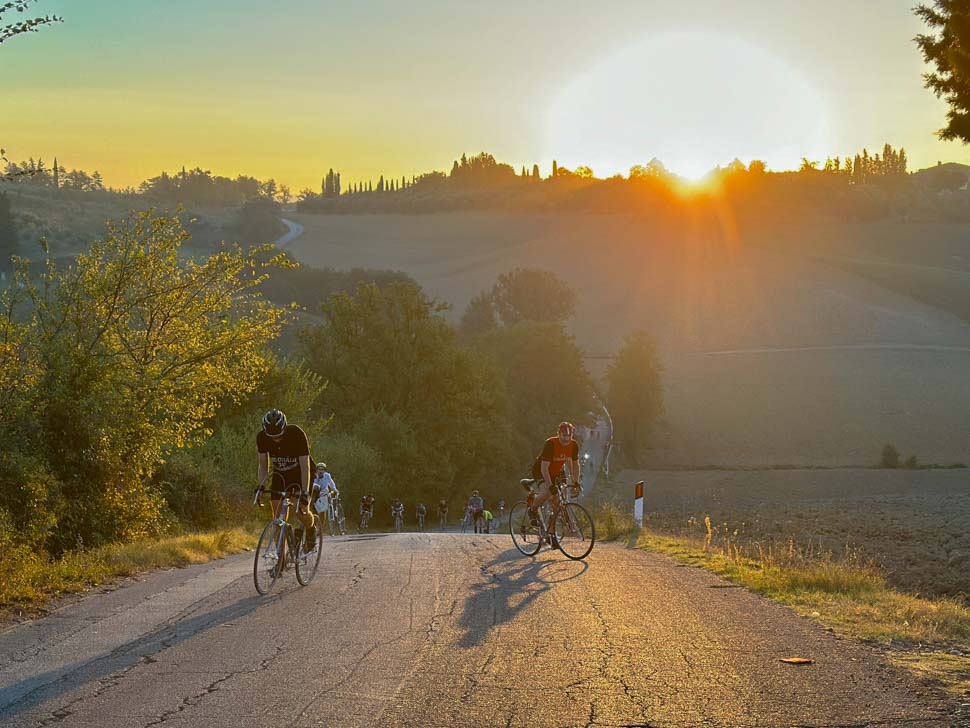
point(569, 528)
point(442, 520)
point(365, 516)
point(420, 521)
point(398, 521)
point(281, 546)
point(336, 522)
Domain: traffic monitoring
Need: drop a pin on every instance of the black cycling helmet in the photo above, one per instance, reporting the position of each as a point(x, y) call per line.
point(274, 422)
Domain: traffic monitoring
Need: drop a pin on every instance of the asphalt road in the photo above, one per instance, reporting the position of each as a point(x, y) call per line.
point(444, 630)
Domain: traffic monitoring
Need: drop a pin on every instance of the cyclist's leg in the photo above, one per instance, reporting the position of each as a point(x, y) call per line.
point(542, 494)
point(305, 516)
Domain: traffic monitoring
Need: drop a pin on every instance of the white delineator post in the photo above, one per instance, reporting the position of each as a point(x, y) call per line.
point(638, 505)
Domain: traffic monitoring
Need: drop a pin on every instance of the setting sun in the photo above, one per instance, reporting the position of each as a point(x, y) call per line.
point(694, 100)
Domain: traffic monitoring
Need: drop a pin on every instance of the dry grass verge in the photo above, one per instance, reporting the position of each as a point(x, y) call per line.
point(928, 636)
point(28, 580)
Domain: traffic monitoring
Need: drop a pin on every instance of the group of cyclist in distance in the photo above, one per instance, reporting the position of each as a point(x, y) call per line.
point(283, 456)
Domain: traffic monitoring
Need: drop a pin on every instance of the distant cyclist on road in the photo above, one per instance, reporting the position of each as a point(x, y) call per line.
point(421, 512)
point(556, 452)
point(488, 520)
point(366, 510)
point(287, 449)
point(476, 506)
point(324, 488)
point(397, 511)
point(443, 513)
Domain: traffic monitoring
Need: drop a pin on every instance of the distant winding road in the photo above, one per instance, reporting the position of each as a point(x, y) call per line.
point(294, 230)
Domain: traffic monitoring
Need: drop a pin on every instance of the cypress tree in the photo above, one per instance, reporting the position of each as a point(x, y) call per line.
point(535, 171)
point(555, 168)
point(57, 175)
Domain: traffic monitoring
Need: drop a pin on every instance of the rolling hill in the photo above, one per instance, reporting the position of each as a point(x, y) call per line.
point(776, 352)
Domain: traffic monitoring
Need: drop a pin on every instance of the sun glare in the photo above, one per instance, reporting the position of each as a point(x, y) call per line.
point(694, 100)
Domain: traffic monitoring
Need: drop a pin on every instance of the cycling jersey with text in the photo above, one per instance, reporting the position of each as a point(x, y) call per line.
point(284, 453)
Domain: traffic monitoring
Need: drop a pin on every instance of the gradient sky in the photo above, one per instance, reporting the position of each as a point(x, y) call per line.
point(289, 89)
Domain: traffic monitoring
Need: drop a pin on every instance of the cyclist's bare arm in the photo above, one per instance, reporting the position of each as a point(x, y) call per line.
point(305, 473)
point(262, 459)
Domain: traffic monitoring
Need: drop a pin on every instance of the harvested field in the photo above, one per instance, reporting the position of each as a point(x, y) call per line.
point(910, 523)
point(772, 358)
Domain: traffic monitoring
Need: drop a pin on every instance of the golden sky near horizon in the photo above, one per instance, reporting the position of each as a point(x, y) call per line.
point(288, 90)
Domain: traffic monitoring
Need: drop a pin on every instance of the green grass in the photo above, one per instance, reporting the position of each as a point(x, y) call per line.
point(613, 524)
point(28, 580)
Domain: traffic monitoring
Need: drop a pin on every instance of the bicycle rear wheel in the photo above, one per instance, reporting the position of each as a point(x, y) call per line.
point(307, 564)
point(525, 536)
point(331, 527)
point(575, 531)
point(267, 561)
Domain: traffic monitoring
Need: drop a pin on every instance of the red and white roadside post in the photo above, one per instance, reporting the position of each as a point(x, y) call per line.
point(638, 505)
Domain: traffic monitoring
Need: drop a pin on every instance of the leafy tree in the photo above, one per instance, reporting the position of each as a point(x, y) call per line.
point(399, 381)
point(258, 220)
point(948, 48)
point(635, 393)
point(889, 457)
point(479, 316)
point(654, 169)
point(25, 25)
point(528, 294)
point(131, 351)
point(545, 380)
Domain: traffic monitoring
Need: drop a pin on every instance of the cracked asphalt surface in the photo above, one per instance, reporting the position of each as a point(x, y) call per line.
point(443, 630)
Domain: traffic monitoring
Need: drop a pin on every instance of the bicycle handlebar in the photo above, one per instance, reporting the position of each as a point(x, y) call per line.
point(283, 493)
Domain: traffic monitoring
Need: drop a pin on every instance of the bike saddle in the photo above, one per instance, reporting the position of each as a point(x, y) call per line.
point(527, 483)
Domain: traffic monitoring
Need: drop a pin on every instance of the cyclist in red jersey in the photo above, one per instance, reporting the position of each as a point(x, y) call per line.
point(556, 452)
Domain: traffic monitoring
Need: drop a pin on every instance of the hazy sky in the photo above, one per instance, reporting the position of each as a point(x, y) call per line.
point(289, 89)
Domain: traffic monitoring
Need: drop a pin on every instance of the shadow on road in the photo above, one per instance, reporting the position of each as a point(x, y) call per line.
point(515, 583)
point(30, 692)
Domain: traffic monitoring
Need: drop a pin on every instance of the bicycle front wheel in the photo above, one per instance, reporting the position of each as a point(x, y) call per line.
point(575, 531)
point(525, 536)
point(266, 563)
point(308, 563)
point(330, 522)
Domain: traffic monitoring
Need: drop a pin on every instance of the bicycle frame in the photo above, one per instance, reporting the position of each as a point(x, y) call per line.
point(286, 530)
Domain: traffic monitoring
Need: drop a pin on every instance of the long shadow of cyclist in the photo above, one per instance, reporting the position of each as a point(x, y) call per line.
point(514, 584)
